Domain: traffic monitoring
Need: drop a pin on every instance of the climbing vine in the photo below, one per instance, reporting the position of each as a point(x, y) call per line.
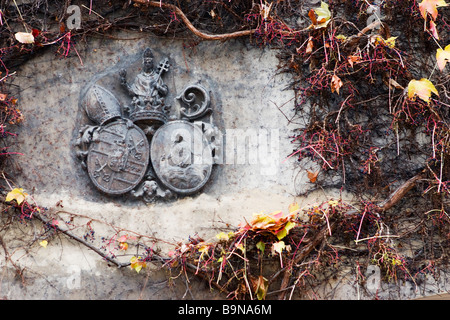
point(372, 99)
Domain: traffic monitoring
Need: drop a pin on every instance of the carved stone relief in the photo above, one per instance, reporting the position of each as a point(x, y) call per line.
point(139, 147)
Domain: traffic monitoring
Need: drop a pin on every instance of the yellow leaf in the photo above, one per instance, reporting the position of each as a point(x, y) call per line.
point(204, 248)
point(390, 42)
point(224, 236)
point(137, 264)
point(421, 88)
point(323, 16)
point(261, 246)
point(24, 37)
point(16, 194)
point(333, 203)
point(430, 6)
point(341, 37)
point(293, 207)
point(44, 243)
point(323, 13)
point(241, 247)
point(442, 57)
point(285, 231)
point(138, 268)
point(278, 247)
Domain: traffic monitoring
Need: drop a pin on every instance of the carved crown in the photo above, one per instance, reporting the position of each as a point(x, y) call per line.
point(101, 106)
point(150, 114)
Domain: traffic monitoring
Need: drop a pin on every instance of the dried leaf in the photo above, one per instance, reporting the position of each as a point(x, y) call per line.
point(265, 10)
point(312, 176)
point(442, 57)
point(421, 88)
point(312, 16)
point(309, 46)
point(24, 37)
point(336, 84)
point(430, 6)
point(263, 221)
point(394, 84)
point(262, 284)
point(16, 194)
point(353, 59)
point(35, 32)
point(433, 30)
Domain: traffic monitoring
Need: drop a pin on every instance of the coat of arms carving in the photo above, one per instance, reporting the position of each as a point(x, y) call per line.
point(139, 147)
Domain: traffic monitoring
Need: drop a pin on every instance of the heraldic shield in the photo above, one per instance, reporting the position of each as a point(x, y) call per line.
point(181, 157)
point(138, 147)
point(117, 160)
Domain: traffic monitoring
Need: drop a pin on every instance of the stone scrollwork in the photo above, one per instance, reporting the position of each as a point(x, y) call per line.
point(194, 102)
point(138, 147)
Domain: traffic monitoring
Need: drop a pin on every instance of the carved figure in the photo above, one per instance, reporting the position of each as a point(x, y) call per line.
point(148, 91)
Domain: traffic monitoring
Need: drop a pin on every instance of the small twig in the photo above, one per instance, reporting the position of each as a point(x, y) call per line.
point(377, 237)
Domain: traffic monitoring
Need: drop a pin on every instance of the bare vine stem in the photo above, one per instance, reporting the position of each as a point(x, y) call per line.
point(191, 27)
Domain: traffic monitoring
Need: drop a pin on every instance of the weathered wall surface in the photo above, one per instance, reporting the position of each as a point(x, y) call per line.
point(246, 94)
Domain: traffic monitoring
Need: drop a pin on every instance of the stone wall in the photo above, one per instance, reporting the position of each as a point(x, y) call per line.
point(247, 95)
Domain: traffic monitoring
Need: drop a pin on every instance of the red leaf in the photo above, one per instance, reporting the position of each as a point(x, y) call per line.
point(35, 32)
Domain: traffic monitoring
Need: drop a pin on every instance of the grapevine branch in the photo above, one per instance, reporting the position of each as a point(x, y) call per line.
point(83, 242)
point(191, 27)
